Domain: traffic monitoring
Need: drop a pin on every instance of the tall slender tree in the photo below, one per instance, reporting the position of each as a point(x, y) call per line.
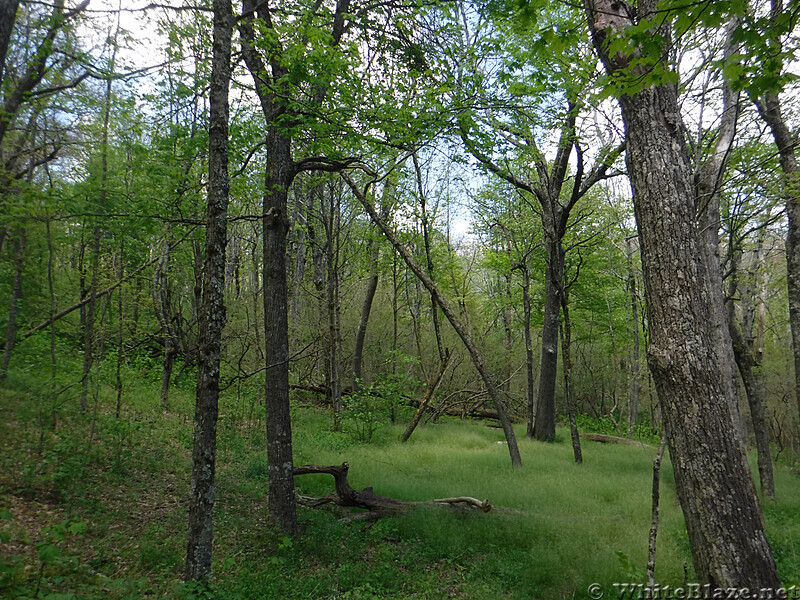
point(213, 313)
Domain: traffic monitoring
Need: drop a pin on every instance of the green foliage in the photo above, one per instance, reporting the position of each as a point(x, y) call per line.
point(136, 537)
point(375, 407)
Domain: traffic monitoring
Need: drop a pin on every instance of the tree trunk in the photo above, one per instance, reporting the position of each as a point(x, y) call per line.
point(544, 428)
point(8, 15)
point(709, 179)
point(770, 109)
point(282, 507)
point(713, 481)
point(88, 332)
point(212, 315)
point(633, 372)
point(367, 499)
point(13, 307)
point(373, 254)
point(651, 552)
point(120, 346)
point(756, 392)
point(281, 171)
point(330, 217)
point(430, 391)
point(509, 338)
point(162, 303)
point(423, 203)
point(529, 360)
point(566, 360)
point(477, 357)
point(300, 231)
point(752, 376)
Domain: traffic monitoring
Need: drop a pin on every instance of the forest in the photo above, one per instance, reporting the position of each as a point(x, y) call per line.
point(399, 299)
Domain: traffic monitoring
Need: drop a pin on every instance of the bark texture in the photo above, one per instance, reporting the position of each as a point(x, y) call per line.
point(212, 315)
point(529, 367)
point(8, 15)
point(713, 480)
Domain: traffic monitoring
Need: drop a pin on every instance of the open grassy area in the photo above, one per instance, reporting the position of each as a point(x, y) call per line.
point(95, 508)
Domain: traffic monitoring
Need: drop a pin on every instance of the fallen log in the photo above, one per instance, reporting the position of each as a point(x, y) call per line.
point(376, 505)
point(613, 439)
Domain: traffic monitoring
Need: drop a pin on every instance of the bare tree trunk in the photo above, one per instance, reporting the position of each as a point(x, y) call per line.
point(395, 324)
point(300, 233)
point(752, 377)
point(212, 315)
point(120, 346)
point(16, 296)
point(770, 109)
point(373, 254)
point(330, 218)
point(423, 203)
point(709, 180)
point(566, 359)
point(256, 291)
point(430, 391)
point(476, 356)
point(162, 303)
point(88, 332)
point(634, 364)
point(509, 339)
point(544, 427)
point(529, 359)
point(755, 390)
point(282, 507)
point(8, 15)
point(651, 553)
point(53, 360)
point(713, 481)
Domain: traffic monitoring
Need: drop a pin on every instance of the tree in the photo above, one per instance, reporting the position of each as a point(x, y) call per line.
point(504, 121)
point(273, 85)
point(466, 338)
point(769, 106)
point(213, 314)
point(714, 485)
point(36, 64)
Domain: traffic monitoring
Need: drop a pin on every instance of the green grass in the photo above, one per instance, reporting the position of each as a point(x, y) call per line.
point(106, 518)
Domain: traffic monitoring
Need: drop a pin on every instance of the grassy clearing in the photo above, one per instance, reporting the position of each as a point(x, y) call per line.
point(102, 515)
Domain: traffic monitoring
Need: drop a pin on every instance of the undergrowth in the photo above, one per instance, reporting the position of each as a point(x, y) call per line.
point(92, 506)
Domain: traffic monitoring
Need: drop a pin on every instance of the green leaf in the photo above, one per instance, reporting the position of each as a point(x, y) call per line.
point(78, 527)
point(48, 553)
point(5, 514)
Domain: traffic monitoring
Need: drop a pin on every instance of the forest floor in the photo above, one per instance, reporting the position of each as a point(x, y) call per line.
point(94, 507)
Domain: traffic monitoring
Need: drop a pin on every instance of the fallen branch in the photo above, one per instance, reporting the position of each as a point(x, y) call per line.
point(603, 439)
point(377, 506)
point(433, 385)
